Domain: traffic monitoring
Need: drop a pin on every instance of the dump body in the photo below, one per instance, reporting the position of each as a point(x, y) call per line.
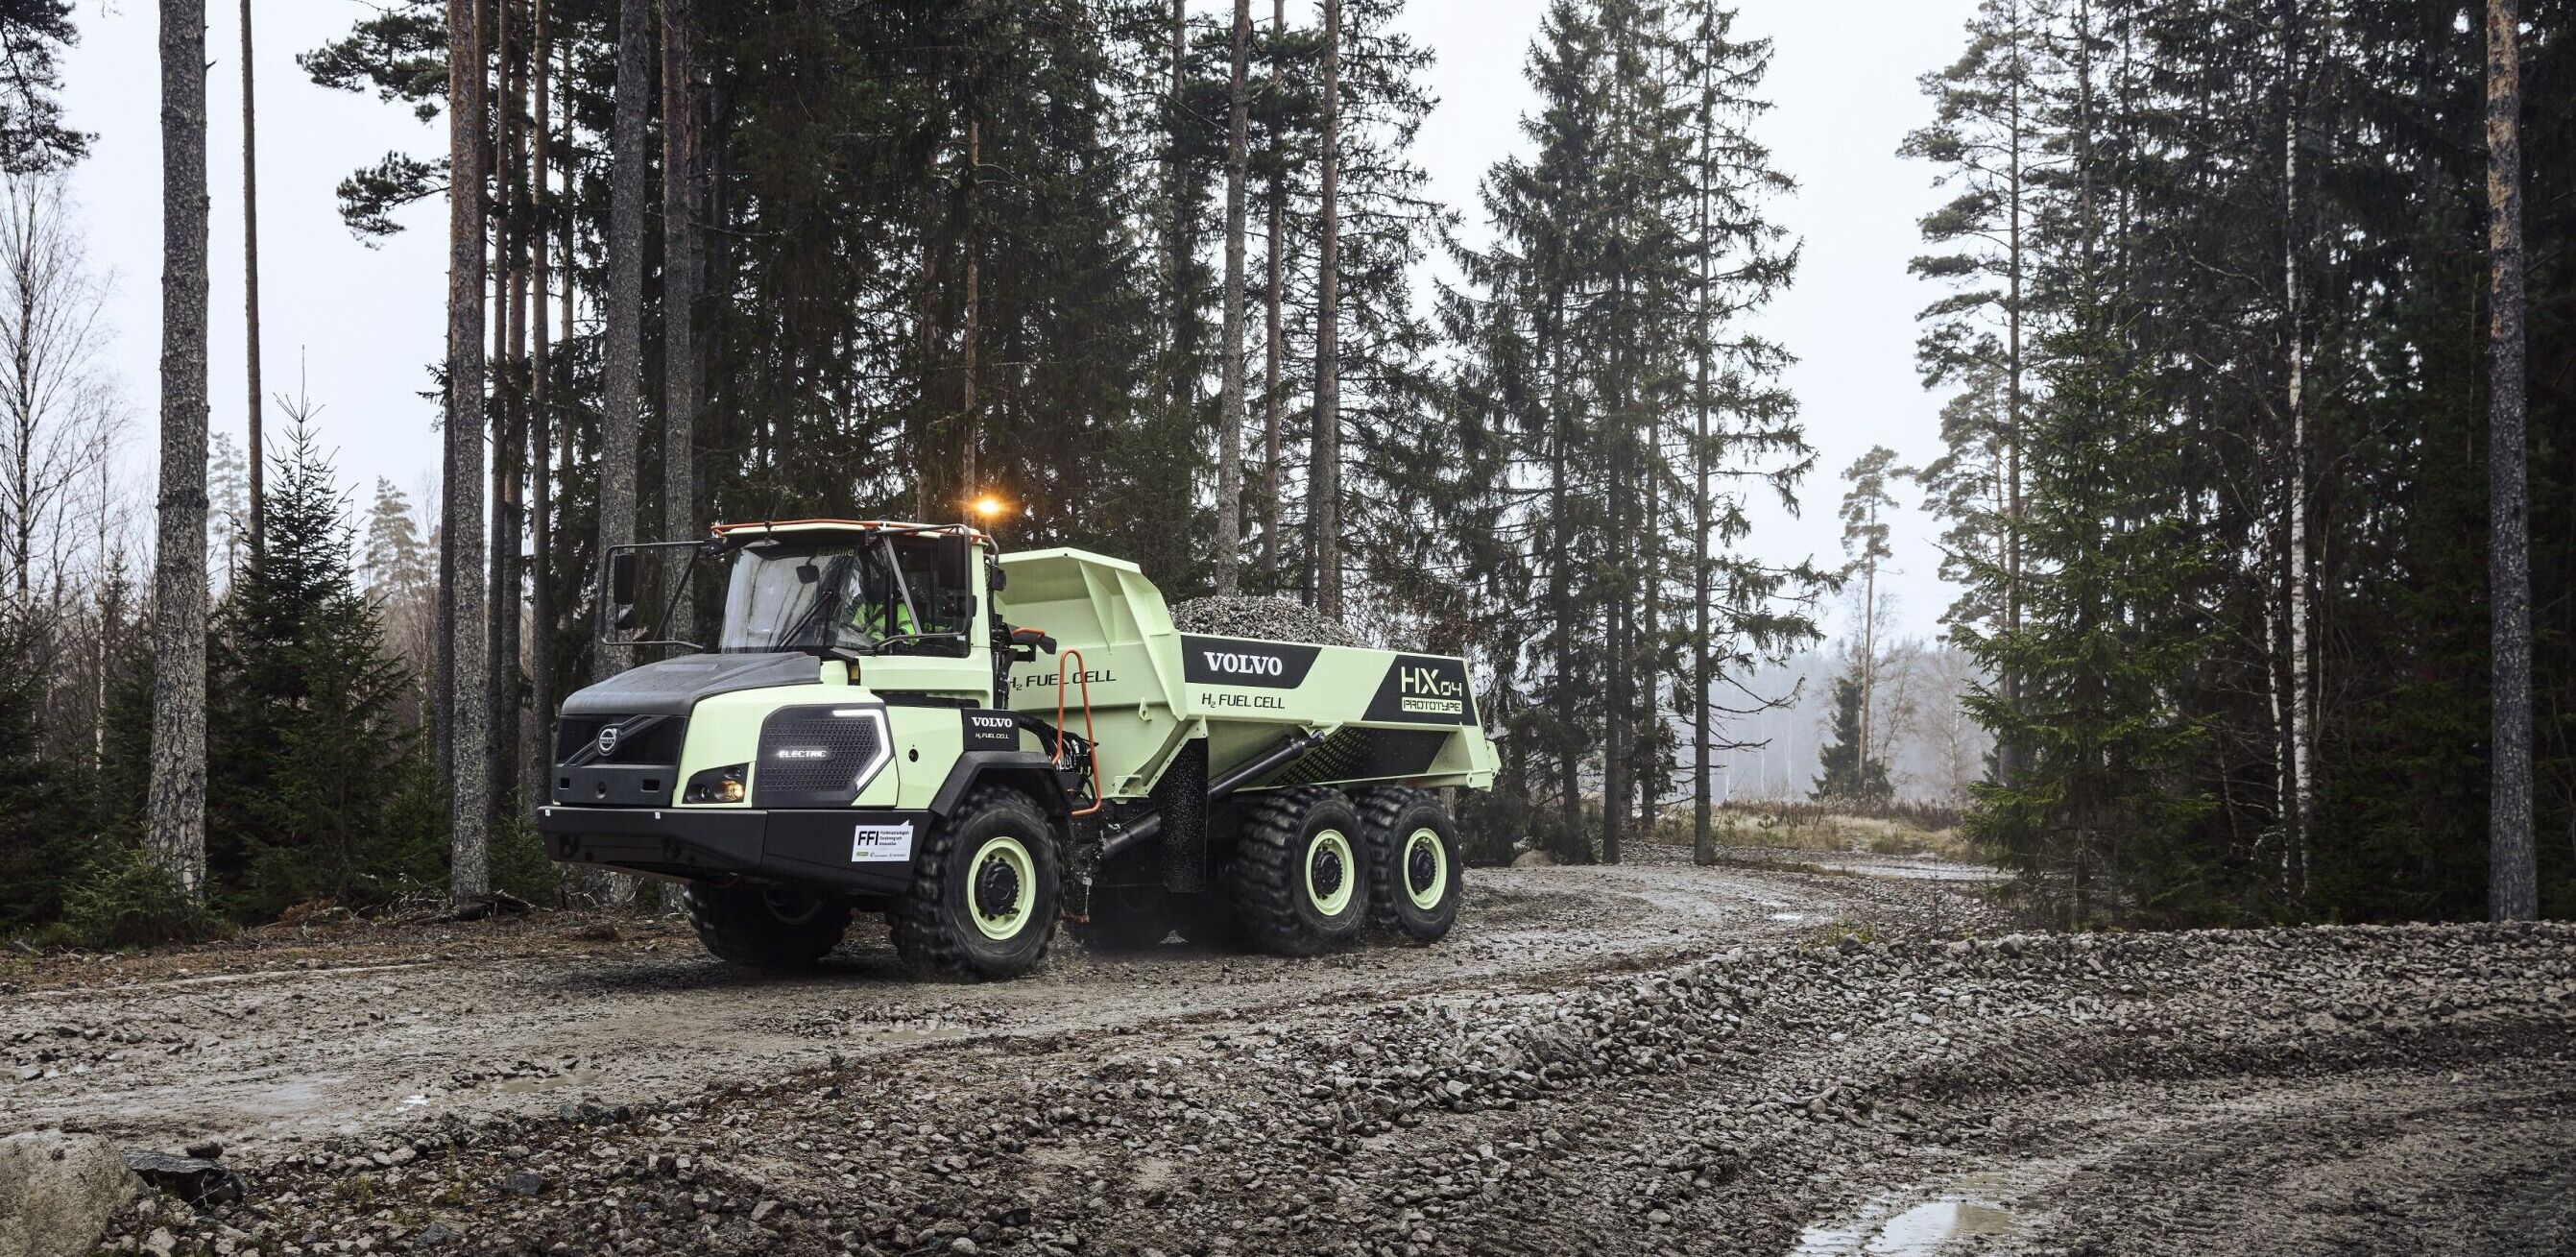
point(1383, 716)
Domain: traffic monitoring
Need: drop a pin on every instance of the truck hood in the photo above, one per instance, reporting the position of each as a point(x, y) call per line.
point(670, 687)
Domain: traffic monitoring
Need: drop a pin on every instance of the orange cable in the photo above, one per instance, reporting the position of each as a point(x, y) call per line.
point(1066, 664)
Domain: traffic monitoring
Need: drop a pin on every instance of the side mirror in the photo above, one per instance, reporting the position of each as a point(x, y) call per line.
point(621, 587)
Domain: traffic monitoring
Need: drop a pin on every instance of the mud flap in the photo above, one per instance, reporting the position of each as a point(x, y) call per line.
point(1180, 798)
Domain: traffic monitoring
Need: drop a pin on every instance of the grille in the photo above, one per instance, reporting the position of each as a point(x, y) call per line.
point(818, 756)
point(640, 740)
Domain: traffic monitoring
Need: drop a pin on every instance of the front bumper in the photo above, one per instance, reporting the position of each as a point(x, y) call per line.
point(846, 849)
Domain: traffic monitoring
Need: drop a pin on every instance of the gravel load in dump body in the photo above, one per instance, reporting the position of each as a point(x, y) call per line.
point(1270, 619)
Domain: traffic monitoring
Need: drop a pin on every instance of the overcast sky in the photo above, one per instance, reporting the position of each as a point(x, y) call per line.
point(363, 324)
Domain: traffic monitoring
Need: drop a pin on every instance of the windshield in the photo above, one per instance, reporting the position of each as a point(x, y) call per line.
point(845, 595)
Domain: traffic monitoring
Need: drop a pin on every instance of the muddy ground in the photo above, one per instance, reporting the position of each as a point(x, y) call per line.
point(1646, 1059)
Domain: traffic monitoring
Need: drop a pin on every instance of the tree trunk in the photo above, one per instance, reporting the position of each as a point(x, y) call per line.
point(509, 314)
point(1868, 658)
point(2008, 753)
point(250, 287)
point(1178, 245)
point(535, 764)
point(2302, 699)
point(623, 356)
point(2513, 884)
point(1270, 399)
point(1229, 434)
point(679, 286)
point(469, 870)
point(1560, 576)
point(1327, 471)
point(177, 807)
point(1703, 837)
point(969, 473)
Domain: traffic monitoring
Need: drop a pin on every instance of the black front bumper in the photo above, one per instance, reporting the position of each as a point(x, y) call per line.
point(805, 847)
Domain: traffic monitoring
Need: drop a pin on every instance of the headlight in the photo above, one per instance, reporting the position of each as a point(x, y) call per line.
point(716, 785)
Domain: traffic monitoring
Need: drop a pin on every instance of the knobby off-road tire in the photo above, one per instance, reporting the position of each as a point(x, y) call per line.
point(767, 927)
point(1299, 883)
point(1125, 919)
point(1413, 863)
point(984, 891)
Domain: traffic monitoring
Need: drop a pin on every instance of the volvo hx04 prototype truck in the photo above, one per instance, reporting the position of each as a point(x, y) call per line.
point(899, 718)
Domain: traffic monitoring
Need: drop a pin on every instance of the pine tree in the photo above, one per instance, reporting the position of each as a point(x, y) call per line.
point(2515, 893)
point(32, 135)
point(1988, 138)
point(461, 691)
point(177, 835)
point(1865, 532)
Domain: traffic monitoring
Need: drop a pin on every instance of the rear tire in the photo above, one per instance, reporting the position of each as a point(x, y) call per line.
point(1299, 883)
point(767, 927)
point(1413, 863)
point(984, 891)
point(1125, 919)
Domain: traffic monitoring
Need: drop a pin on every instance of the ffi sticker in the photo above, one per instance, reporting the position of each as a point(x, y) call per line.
point(874, 843)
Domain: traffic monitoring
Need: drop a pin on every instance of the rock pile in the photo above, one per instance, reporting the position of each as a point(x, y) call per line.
point(1269, 619)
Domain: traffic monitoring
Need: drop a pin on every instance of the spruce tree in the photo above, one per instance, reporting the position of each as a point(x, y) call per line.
point(308, 732)
point(1850, 775)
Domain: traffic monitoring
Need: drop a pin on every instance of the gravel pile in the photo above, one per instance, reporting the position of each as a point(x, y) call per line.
point(1683, 1109)
point(1270, 619)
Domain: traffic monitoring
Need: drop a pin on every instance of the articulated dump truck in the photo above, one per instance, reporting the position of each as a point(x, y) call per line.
point(899, 718)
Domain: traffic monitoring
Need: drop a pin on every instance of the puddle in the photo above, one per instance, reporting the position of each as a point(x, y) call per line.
point(1924, 1230)
point(1789, 916)
point(1942, 1218)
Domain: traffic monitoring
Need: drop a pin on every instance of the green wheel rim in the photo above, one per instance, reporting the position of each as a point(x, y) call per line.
point(1329, 872)
point(1001, 887)
point(1421, 848)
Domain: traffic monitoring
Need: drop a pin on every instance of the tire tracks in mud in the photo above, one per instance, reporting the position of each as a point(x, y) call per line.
point(360, 1044)
point(2160, 1093)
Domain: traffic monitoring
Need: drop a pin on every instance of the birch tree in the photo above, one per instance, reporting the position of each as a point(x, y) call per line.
point(59, 421)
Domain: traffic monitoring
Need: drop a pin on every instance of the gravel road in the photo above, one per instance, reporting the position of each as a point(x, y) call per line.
point(1645, 1059)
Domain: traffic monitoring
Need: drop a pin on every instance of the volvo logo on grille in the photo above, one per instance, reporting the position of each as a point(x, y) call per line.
point(608, 740)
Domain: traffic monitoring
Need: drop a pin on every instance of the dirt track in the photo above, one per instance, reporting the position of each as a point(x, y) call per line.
point(1643, 1059)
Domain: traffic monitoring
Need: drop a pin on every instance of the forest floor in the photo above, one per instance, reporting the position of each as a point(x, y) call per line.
point(1756, 1058)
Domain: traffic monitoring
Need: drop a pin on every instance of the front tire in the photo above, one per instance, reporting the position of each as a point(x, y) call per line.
point(984, 889)
point(1299, 883)
point(1413, 863)
point(767, 927)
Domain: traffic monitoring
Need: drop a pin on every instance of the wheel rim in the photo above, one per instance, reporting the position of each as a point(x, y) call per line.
point(1001, 887)
point(1328, 872)
point(1426, 869)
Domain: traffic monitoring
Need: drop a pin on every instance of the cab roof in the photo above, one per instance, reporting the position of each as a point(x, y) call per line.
point(754, 529)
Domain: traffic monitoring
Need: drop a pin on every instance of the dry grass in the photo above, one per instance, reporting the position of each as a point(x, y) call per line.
point(1807, 826)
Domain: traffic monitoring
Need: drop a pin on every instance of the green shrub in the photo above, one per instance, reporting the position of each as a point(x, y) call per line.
point(120, 898)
